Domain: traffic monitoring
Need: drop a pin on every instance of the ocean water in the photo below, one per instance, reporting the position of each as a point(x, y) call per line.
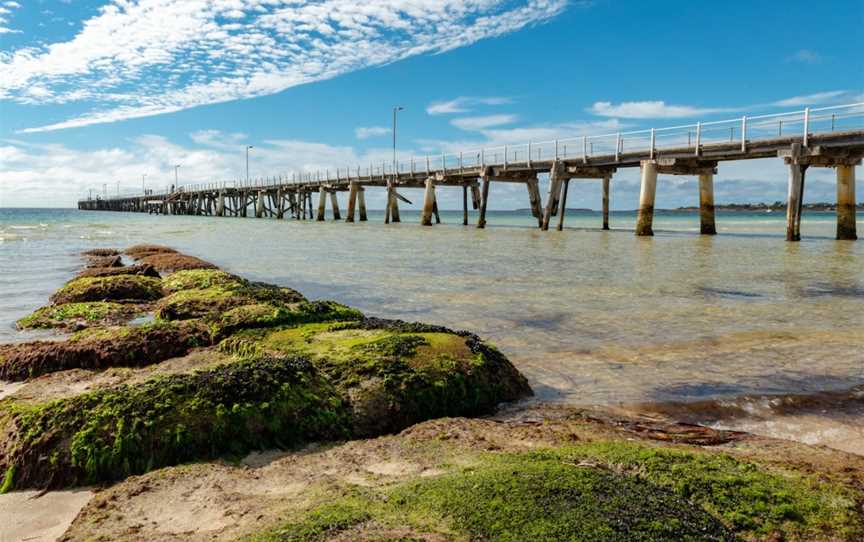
point(591, 317)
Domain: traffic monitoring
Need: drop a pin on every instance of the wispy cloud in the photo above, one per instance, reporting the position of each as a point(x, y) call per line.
point(805, 56)
point(137, 59)
point(652, 110)
point(5, 12)
point(464, 104)
point(365, 132)
point(480, 123)
point(814, 99)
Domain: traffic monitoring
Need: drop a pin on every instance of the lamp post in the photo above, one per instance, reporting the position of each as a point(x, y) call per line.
point(247, 162)
point(143, 189)
point(176, 182)
point(395, 110)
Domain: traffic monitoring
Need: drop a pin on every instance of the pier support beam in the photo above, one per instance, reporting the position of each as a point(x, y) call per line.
point(645, 218)
point(259, 205)
point(795, 201)
point(322, 204)
point(484, 200)
point(606, 202)
point(846, 228)
point(353, 188)
point(556, 177)
point(563, 206)
point(464, 204)
point(361, 202)
point(394, 207)
point(428, 203)
point(280, 204)
point(534, 199)
point(220, 204)
point(334, 202)
point(706, 205)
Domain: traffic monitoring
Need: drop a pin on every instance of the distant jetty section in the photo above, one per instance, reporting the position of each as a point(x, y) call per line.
point(826, 137)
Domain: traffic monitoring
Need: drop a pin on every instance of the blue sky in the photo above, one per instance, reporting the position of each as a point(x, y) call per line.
point(96, 92)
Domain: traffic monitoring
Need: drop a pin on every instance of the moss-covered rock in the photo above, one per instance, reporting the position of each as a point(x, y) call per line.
point(99, 348)
point(101, 252)
point(76, 316)
point(136, 269)
point(109, 288)
point(104, 261)
point(111, 433)
point(200, 279)
point(612, 490)
point(210, 293)
point(395, 373)
point(170, 262)
point(144, 250)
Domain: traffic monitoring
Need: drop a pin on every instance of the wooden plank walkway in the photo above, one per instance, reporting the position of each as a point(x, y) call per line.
point(827, 137)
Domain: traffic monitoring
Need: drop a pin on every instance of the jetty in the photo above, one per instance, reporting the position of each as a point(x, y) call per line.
point(829, 137)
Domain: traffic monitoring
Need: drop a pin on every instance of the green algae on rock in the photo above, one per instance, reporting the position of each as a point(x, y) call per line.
point(395, 373)
point(109, 288)
point(363, 376)
point(583, 493)
point(112, 433)
point(136, 269)
point(100, 348)
point(79, 315)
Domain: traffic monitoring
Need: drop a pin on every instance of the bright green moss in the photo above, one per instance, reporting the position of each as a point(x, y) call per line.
point(514, 498)
point(114, 287)
point(72, 314)
point(227, 410)
point(200, 279)
point(613, 491)
point(747, 496)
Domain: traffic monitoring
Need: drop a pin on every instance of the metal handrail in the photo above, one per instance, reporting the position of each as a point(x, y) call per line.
point(582, 147)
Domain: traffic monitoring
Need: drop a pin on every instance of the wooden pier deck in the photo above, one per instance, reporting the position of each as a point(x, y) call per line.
point(826, 137)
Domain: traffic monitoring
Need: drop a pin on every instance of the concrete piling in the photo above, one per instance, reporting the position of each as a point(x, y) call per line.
point(322, 204)
point(484, 200)
point(795, 201)
point(706, 205)
point(334, 202)
point(563, 206)
point(259, 205)
point(428, 203)
point(361, 203)
point(846, 228)
point(647, 192)
point(606, 180)
point(353, 189)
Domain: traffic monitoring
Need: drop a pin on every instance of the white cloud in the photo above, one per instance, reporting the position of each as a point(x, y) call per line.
point(160, 56)
point(651, 110)
point(814, 99)
point(365, 132)
point(480, 123)
point(805, 56)
point(464, 104)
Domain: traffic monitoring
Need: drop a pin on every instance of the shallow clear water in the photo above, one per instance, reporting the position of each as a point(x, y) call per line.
point(591, 317)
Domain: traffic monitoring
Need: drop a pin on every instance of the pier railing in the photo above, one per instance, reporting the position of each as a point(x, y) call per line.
point(743, 130)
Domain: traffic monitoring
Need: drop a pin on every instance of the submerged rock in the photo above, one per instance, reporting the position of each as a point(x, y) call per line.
point(144, 270)
point(168, 263)
point(101, 348)
point(141, 251)
point(104, 261)
point(109, 288)
point(76, 316)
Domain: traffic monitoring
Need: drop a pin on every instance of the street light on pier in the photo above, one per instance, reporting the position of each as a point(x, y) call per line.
point(247, 162)
point(395, 110)
point(143, 189)
point(176, 182)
